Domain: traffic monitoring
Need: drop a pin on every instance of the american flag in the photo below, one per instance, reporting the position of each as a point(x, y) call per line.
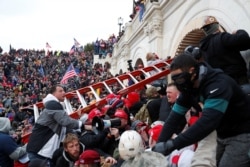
point(69, 73)
point(47, 45)
point(76, 42)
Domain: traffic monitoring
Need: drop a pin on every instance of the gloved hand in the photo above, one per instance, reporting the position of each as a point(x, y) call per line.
point(164, 147)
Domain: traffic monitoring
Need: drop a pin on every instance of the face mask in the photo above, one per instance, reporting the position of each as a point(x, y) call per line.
point(183, 82)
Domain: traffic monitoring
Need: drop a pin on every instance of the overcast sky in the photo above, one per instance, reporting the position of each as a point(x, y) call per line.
point(30, 24)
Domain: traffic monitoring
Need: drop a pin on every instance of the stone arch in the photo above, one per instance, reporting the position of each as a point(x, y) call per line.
point(139, 62)
point(192, 38)
point(180, 21)
point(191, 18)
point(139, 53)
point(191, 35)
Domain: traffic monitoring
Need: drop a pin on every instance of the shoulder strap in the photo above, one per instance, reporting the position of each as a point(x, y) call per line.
point(149, 101)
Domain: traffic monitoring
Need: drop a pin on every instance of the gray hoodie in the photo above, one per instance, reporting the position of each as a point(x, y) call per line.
point(50, 128)
point(5, 127)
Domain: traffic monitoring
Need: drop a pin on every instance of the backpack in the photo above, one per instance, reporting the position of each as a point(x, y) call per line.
point(143, 114)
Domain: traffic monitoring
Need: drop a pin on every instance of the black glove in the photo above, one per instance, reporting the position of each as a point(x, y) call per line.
point(164, 148)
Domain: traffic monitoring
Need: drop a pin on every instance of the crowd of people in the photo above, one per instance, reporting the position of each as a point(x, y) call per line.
point(201, 118)
point(104, 48)
point(27, 75)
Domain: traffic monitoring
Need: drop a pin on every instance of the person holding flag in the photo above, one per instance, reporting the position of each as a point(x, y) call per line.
point(72, 50)
point(76, 47)
point(76, 43)
point(48, 46)
point(41, 71)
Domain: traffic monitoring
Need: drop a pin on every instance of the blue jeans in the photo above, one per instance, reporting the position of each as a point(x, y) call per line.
point(34, 156)
point(233, 151)
point(141, 12)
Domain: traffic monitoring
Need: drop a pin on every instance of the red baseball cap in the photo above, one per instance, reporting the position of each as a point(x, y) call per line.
point(133, 97)
point(89, 157)
point(155, 132)
point(111, 96)
point(121, 114)
point(94, 113)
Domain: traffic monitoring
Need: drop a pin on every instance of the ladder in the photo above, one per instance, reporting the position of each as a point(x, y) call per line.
point(162, 69)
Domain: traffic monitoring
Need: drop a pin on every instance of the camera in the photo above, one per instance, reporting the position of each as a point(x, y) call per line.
point(100, 124)
point(130, 67)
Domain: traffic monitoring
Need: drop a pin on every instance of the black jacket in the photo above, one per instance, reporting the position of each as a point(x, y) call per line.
point(62, 159)
point(225, 110)
point(92, 140)
point(135, 108)
point(154, 108)
point(165, 109)
point(222, 50)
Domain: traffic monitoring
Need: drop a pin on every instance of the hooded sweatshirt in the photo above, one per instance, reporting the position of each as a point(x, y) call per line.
point(50, 128)
point(5, 125)
point(222, 50)
point(9, 150)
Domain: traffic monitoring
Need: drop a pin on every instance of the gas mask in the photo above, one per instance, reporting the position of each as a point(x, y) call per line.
point(183, 82)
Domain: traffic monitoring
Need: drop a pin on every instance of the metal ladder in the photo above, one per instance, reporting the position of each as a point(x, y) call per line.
point(162, 68)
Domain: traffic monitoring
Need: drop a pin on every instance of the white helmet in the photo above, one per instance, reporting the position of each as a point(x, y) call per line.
point(130, 144)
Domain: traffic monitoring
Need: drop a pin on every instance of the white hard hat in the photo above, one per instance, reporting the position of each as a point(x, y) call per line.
point(130, 144)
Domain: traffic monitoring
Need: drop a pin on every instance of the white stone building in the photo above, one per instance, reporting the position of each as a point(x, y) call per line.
point(169, 26)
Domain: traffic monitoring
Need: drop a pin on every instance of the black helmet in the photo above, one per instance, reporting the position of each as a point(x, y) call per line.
point(193, 51)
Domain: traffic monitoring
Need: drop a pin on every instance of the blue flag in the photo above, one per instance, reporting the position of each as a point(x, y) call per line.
point(41, 71)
